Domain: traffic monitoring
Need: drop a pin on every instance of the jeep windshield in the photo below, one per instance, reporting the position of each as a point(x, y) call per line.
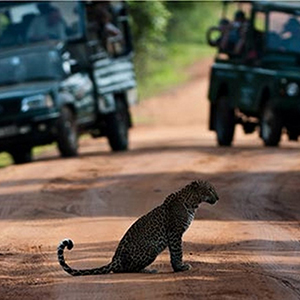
point(283, 32)
point(34, 63)
point(23, 23)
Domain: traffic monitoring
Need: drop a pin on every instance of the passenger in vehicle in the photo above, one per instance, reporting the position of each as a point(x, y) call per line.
point(105, 19)
point(274, 40)
point(24, 25)
point(48, 25)
point(234, 38)
point(241, 25)
point(110, 34)
point(291, 35)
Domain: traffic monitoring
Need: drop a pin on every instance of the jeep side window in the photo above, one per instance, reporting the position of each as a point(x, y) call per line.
point(291, 34)
point(284, 32)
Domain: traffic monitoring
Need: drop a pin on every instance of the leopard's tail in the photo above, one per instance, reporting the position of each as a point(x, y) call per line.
point(69, 244)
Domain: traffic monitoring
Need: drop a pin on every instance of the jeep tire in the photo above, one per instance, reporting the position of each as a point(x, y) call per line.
point(117, 125)
point(67, 136)
point(270, 126)
point(224, 121)
point(21, 155)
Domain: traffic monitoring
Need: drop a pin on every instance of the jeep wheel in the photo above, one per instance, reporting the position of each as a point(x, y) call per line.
point(67, 137)
point(270, 126)
point(21, 155)
point(117, 128)
point(224, 122)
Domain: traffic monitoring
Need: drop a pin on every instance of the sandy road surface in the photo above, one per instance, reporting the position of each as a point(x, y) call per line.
point(245, 247)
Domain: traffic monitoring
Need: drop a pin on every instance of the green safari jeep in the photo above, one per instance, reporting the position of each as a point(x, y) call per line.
point(66, 69)
point(255, 77)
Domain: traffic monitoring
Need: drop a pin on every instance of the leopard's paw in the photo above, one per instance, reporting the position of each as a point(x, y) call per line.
point(183, 267)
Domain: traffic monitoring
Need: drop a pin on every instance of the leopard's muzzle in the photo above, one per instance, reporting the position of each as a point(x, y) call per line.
point(212, 199)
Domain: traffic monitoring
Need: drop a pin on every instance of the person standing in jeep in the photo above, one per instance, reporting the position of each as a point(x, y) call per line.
point(233, 38)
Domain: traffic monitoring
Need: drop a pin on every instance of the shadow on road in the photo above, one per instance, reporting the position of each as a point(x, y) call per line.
point(243, 195)
point(172, 147)
point(45, 276)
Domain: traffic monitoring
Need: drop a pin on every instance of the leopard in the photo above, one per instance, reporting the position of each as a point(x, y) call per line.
point(152, 233)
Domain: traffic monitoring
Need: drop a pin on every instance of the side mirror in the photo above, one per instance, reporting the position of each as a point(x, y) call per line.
point(75, 67)
point(70, 65)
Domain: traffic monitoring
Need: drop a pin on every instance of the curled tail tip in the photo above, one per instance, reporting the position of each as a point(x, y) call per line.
point(66, 243)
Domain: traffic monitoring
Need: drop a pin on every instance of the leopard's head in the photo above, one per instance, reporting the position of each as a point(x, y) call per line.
point(201, 191)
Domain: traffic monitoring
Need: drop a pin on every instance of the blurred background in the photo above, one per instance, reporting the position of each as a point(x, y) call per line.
point(169, 35)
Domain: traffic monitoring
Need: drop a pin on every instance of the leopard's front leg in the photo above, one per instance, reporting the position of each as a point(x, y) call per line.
point(175, 248)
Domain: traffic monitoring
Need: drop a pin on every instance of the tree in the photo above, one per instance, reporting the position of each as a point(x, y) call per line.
point(149, 24)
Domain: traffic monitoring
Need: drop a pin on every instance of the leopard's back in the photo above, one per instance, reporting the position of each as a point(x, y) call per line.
point(143, 241)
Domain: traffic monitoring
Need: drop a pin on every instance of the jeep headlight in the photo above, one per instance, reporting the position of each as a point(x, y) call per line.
point(36, 102)
point(292, 89)
point(66, 67)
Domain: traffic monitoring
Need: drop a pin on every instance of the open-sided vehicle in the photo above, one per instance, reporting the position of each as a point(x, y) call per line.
point(256, 74)
point(66, 68)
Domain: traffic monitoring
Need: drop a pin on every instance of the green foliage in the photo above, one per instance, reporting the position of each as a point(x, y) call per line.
point(5, 159)
point(149, 23)
point(172, 69)
point(150, 19)
point(190, 20)
point(168, 35)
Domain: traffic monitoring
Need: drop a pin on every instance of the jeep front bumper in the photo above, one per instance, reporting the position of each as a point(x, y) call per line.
point(30, 132)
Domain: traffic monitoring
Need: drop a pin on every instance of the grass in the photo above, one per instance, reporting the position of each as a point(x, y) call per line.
point(169, 69)
point(5, 159)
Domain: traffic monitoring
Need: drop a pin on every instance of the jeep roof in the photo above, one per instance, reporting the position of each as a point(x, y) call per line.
point(286, 6)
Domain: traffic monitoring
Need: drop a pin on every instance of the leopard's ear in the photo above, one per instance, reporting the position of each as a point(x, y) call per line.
point(197, 183)
point(194, 185)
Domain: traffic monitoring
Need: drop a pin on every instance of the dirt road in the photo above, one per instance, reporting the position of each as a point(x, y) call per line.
point(245, 247)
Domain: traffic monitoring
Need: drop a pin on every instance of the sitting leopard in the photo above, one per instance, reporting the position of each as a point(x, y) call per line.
point(152, 233)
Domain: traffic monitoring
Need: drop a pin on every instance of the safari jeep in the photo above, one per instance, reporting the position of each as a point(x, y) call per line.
point(66, 68)
point(255, 78)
